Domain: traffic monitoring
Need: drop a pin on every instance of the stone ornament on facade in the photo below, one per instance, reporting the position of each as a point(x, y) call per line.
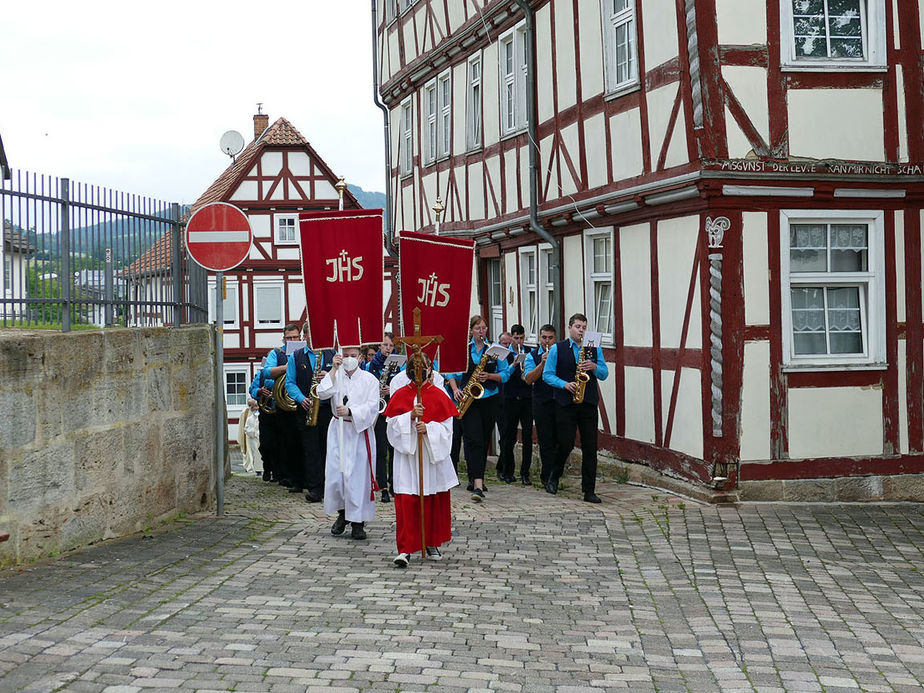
point(715, 229)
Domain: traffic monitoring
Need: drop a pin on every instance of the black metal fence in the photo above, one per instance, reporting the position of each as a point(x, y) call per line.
point(81, 255)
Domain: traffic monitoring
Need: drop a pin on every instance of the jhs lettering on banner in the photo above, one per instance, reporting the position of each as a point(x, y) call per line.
point(429, 288)
point(345, 268)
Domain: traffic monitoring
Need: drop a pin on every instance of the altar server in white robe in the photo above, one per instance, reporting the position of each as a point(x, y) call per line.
point(349, 484)
point(432, 420)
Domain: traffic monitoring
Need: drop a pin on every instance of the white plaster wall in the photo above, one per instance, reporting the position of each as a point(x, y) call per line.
point(626, 139)
point(266, 340)
point(393, 55)
point(569, 136)
point(635, 282)
point(296, 295)
point(457, 14)
point(272, 163)
point(756, 272)
point(492, 165)
point(827, 123)
point(834, 421)
point(510, 182)
point(261, 225)
point(410, 45)
point(660, 31)
point(428, 183)
point(676, 250)
point(595, 150)
point(476, 191)
point(459, 79)
point(899, 265)
point(660, 103)
point(573, 263)
point(299, 164)
point(278, 194)
point(591, 48)
point(608, 395)
point(323, 190)
point(639, 404)
point(564, 55)
point(687, 431)
point(407, 212)
point(511, 290)
point(755, 402)
point(738, 144)
point(490, 104)
point(741, 22)
point(247, 190)
point(544, 81)
point(288, 253)
point(902, 397)
point(902, 119)
point(749, 85)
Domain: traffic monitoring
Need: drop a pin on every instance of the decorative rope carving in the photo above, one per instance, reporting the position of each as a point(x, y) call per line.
point(693, 54)
point(715, 339)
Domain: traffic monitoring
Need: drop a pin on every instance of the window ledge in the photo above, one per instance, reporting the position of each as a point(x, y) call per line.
point(513, 133)
point(476, 149)
point(845, 367)
point(833, 67)
point(622, 91)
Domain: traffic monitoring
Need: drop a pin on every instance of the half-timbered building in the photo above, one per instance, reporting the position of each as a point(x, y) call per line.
point(731, 190)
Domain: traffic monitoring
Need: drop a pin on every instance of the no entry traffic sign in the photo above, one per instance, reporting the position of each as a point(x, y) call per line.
point(218, 236)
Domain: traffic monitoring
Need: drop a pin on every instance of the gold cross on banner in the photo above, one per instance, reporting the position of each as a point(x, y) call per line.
point(417, 343)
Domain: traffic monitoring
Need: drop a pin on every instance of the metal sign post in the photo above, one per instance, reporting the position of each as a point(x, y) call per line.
point(220, 379)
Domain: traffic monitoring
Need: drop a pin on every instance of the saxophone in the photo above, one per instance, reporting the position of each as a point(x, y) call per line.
point(313, 392)
point(473, 389)
point(581, 377)
point(383, 383)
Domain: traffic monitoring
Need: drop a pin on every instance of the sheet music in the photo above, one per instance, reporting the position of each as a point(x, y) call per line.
point(292, 347)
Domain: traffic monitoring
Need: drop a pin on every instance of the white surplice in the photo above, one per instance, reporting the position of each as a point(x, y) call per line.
point(350, 488)
point(438, 472)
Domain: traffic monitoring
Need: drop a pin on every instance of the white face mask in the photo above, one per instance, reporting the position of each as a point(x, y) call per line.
point(350, 363)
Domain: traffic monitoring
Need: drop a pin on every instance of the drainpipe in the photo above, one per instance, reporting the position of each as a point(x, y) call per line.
point(533, 130)
point(389, 232)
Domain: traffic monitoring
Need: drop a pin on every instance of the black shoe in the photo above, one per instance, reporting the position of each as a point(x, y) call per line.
point(339, 525)
point(267, 475)
point(357, 532)
point(312, 497)
point(470, 487)
point(526, 481)
point(385, 497)
point(295, 489)
point(509, 479)
point(592, 498)
point(552, 487)
point(477, 495)
point(285, 482)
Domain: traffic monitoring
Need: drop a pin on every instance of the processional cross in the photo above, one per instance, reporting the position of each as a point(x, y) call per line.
point(415, 364)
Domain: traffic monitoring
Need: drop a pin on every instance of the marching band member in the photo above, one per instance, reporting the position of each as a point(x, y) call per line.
point(518, 411)
point(279, 441)
point(303, 370)
point(430, 423)
point(256, 385)
point(543, 403)
point(349, 485)
point(562, 365)
point(505, 340)
point(479, 420)
point(383, 450)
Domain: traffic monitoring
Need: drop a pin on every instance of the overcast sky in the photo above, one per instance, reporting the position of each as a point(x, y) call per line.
point(136, 95)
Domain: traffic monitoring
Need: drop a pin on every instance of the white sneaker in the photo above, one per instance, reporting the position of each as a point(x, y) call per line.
point(433, 553)
point(401, 560)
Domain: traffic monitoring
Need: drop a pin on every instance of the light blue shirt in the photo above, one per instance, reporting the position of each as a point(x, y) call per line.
point(291, 387)
point(504, 370)
point(271, 363)
point(551, 365)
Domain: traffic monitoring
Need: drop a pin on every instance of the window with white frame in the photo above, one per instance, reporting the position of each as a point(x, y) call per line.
point(236, 387)
point(473, 104)
point(444, 117)
point(267, 304)
point(529, 293)
point(429, 122)
point(598, 253)
point(546, 287)
point(620, 45)
point(390, 10)
point(833, 282)
point(495, 287)
point(406, 144)
point(405, 4)
point(512, 59)
point(229, 305)
point(833, 34)
point(286, 229)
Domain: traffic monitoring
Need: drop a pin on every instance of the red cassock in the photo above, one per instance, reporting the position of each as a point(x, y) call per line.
point(439, 475)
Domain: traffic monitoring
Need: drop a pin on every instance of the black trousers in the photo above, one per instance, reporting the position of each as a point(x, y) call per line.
point(477, 426)
point(456, 443)
point(325, 415)
point(547, 435)
point(311, 477)
point(583, 418)
point(384, 454)
point(289, 447)
point(268, 441)
point(518, 412)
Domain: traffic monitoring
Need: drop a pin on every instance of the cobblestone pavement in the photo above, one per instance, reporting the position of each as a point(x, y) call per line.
point(646, 592)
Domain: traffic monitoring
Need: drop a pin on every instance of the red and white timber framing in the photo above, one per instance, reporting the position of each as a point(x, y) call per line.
point(713, 129)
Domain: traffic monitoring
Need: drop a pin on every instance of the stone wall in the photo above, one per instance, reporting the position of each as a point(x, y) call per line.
point(102, 433)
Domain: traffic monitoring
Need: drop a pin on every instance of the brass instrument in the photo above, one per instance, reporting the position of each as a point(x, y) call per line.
point(315, 409)
point(267, 404)
point(283, 401)
point(473, 389)
point(383, 383)
point(581, 377)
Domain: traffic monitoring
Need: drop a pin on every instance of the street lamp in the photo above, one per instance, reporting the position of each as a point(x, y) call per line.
point(438, 211)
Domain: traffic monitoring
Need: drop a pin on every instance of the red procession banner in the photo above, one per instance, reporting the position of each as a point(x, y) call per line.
point(343, 266)
point(436, 276)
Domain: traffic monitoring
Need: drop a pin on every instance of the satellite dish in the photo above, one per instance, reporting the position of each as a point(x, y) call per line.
point(232, 143)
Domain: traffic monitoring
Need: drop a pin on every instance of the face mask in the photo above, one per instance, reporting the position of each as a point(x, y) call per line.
point(350, 363)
